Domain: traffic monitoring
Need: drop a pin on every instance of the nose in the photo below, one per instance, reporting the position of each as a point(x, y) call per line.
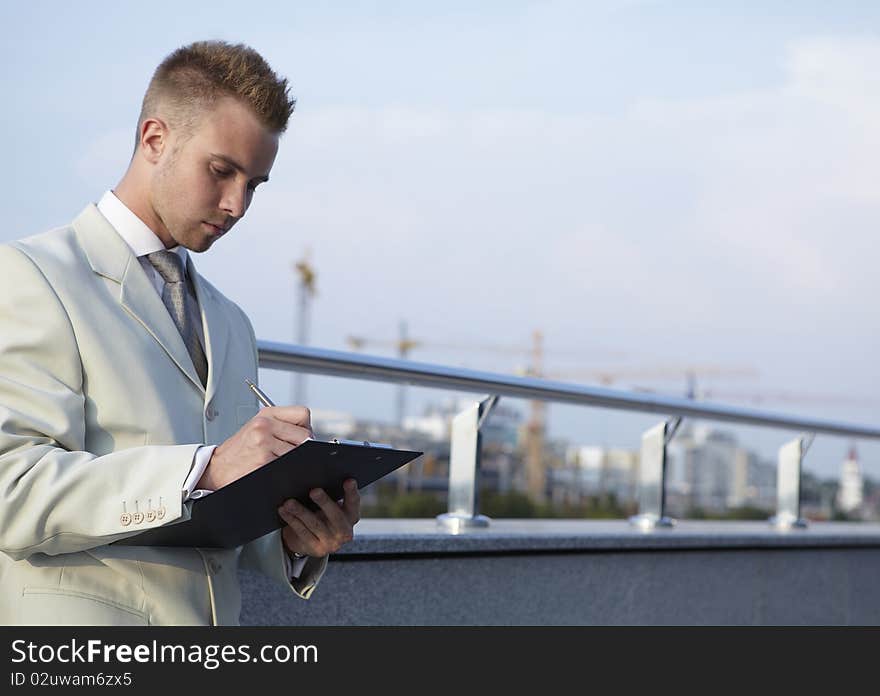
point(235, 201)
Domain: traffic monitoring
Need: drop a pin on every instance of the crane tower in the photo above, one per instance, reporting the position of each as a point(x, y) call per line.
point(305, 282)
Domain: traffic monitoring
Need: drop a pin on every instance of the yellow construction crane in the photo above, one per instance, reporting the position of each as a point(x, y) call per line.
point(784, 396)
point(405, 345)
point(306, 275)
point(634, 375)
point(306, 290)
point(535, 428)
point(402, 346)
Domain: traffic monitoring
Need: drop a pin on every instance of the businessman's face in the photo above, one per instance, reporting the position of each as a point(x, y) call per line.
point(205, 183)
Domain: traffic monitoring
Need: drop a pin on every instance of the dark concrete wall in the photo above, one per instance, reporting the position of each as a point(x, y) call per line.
point(761, 586)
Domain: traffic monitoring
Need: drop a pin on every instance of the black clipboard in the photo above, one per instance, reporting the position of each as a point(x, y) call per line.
point(248, 507)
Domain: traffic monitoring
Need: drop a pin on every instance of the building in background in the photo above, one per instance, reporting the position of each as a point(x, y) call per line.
point(500, 428)
point(850, 494)
point(603, 471)
point(709, 471)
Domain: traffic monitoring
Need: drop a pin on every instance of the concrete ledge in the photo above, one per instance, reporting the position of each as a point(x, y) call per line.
point(395, 536)
point(576, 572)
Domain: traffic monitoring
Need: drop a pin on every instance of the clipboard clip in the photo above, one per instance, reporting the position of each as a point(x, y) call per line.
point(361, 443)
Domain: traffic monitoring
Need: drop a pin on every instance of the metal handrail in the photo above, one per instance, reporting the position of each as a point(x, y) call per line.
point(285, 356)
point(464, 467)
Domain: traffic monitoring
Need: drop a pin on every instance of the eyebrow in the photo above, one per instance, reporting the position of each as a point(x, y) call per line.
point(232, 163)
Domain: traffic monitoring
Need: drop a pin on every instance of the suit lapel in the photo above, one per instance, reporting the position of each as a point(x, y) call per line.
point(111, 257)
point(216, 328)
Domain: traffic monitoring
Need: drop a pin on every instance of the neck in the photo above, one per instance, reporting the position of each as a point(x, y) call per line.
point(134, 193)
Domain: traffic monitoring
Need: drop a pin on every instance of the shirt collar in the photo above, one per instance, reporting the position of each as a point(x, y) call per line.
point(134, 231)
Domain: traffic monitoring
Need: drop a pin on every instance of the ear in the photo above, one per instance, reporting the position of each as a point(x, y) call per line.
point(153, 139)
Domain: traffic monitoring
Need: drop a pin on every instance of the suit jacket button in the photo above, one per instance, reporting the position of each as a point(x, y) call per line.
point(151, 515)
point(211, 413)
point(160, 513)
point(137, 517)
point(125, 519)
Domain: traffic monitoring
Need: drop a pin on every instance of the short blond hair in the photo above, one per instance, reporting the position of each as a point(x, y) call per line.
point(192, 78)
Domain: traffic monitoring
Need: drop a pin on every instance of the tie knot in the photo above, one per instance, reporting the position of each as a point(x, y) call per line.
point(168, 264)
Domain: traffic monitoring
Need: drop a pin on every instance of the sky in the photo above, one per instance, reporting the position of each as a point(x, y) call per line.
point(649, 184)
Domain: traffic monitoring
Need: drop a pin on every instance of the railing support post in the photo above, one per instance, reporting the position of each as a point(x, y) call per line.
point(788, 484)
point(652, 476)
point(464, 468)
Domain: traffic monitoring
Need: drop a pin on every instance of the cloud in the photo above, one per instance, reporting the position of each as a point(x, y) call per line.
point(734, 196)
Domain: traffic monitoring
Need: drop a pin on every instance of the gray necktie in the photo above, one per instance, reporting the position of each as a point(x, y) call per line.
point(182, 305)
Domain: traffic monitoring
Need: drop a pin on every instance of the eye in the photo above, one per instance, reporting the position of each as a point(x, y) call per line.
point(221, 172)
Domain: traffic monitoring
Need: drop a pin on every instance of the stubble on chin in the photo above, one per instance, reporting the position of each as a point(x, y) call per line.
point(204, 243)
point(196, 241)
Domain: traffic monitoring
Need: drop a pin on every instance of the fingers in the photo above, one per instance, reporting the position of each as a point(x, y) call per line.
point(311, 534)
point(303, 533)
point(351, 502)
point(295, 415)
point(337, 520)
point(283, 442)
point(328, 529)
point(276, 436)
point(273, 432)
point(308, 518)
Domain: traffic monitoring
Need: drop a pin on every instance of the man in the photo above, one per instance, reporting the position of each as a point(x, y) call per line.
point(122, 374)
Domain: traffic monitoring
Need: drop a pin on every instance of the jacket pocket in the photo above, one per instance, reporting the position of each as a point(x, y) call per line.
point(53, 606)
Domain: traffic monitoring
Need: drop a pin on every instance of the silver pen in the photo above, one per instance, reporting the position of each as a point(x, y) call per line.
point(265, 400)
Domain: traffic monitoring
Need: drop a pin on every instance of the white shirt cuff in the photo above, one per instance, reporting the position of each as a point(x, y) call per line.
point(200, 463)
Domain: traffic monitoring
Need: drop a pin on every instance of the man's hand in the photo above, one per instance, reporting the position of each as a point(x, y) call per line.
point(326, 530)
point(274, 431)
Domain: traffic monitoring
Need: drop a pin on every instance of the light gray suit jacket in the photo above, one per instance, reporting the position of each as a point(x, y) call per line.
point(101, 412)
